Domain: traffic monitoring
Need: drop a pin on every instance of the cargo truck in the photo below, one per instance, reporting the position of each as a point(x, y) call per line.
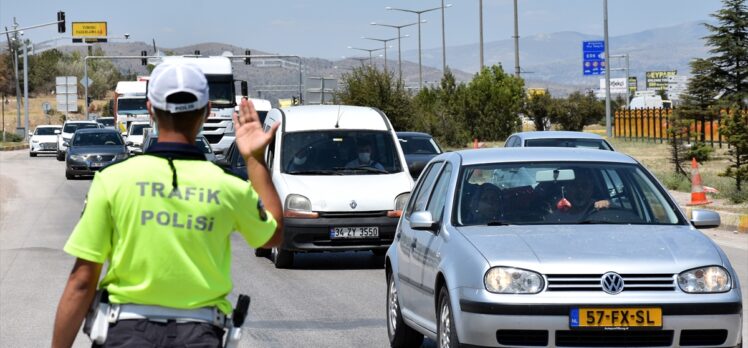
point(129, 104)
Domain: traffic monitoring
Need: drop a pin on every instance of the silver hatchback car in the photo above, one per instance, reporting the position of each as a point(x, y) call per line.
point(555, 247)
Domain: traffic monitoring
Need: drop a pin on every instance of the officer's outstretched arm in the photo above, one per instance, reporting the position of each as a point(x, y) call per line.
point(251, 142)
point(75, 301)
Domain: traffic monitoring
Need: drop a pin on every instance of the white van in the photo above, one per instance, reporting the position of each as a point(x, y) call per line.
point(342, 178)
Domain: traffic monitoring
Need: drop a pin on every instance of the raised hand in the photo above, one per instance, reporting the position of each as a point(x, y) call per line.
point(251, 140)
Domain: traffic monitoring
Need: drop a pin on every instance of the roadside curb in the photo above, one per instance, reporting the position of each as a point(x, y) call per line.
point(732, 221)
point(14, 147)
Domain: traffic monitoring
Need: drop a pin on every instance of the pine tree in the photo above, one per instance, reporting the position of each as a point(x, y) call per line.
point(729, 42)
point(697, 102)
point(735, 130)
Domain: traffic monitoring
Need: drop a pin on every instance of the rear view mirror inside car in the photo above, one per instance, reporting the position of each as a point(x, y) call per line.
point(554, 175)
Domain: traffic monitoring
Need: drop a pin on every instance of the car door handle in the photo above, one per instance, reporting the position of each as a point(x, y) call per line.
point(413, 245)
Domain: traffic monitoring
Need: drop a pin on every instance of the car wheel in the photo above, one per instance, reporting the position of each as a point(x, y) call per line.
point(400, 334)
point(281, 258)
point(446, 335)
point(379, 252)
point(60, 156)
point(69, 176)
point(31, 154)
point(261, 252)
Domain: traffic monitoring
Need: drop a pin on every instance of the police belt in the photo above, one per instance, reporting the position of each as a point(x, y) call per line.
point(210, 315)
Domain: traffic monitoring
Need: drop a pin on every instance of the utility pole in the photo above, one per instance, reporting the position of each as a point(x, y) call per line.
point(399, 50)
point(480, 21)
point(516, 42)
point(444, 44)
point(608, 129)
point(26, 89)
point(3, 107)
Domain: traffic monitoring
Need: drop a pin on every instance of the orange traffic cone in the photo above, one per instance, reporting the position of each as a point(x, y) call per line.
point(475, 143)
point(698, 196)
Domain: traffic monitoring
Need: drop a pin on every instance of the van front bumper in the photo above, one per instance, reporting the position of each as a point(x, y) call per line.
point(315, 234)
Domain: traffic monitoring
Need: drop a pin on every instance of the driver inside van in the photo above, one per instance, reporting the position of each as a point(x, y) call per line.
point(364, 158)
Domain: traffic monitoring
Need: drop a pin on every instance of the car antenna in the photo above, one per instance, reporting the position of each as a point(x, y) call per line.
point(340, 114)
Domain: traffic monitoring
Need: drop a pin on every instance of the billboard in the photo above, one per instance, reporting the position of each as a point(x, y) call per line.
point(658, 80)
point(633, 84)
point(617, 86)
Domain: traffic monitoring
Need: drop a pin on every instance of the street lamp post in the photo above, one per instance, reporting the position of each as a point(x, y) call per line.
point(480, 28)
point(383, 41)
point(418, 13)
point(608, 129)
point(370, 50)
point(516, 42)
point(399, 47)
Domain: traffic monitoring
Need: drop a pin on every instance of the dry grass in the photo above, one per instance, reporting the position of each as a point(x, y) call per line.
point(36, 114)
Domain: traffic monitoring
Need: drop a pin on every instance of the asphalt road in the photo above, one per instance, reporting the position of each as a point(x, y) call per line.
point(330, 300)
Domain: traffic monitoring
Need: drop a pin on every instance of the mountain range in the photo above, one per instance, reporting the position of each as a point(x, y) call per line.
point(553, 61)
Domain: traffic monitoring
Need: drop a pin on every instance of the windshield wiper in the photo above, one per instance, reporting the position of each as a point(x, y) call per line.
point(601, 222)
point(497, 223)
point(367, 169)
point(314, 171)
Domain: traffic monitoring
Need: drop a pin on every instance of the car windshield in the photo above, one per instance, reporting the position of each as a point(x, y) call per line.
point(45, 131)
point(583, 143)
point(96, 139)
point(72, 127)
point(221, 90)
point(107, 122)
point(561, 193)
point(137, 129)
point(419, 146)
point(134, 106)
point(339, 152)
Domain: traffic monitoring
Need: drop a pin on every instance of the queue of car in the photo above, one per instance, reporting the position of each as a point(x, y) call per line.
point(556, 240)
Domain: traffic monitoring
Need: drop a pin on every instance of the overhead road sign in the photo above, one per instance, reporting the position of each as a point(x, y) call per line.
point(89, 31)
point(593, 57)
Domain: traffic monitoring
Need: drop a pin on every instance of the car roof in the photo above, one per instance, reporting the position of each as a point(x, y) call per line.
point(413, 135)
point(49, 126)
point(539, 154)
point(557, 135)
point(66, 122)
point(316, 117)
point(97, 130)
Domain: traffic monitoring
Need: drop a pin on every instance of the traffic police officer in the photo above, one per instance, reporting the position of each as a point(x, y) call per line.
point(163, 222)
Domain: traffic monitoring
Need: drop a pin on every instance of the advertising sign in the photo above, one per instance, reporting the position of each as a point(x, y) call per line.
point(633, 84)
point(659, 79)
point(617, 85)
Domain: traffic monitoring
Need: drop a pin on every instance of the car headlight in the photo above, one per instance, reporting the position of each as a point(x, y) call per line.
point(507, 280)
point(401, 200)
point(705, 280)
point(33, 141)
point(78, 157)
point(298, 206)
point(120, 156)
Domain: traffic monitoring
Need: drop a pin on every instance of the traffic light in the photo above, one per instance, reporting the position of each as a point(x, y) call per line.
point(143, 61)
point(247, 60)
point(60, 22)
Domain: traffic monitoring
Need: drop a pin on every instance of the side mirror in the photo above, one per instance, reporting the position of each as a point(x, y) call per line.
point(31, 134)
point(423, 220)
point(66, 143)
point(223, 163)
point(705, 219)
point(129, 143)
point(57, 131)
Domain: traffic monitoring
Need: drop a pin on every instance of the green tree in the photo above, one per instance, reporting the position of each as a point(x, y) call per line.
point(729, 42)
point(697, 102)
point(493, 102)
point(735, 130)
point(539, 107)
point(439, 111)
point(678, 134)
point(577, 111)
point(367, 86)
point(43, 69)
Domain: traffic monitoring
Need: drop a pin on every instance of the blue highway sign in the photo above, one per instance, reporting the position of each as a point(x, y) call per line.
point(593, 57)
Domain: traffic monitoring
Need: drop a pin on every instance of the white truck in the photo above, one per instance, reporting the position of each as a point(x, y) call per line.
point(129, 104)
point(219, 127)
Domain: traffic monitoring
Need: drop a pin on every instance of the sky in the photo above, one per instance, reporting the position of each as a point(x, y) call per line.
point(326, 28)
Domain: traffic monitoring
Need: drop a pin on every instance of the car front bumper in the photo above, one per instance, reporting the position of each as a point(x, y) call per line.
point(495, 324)
point(43, 147)
point(314, 234)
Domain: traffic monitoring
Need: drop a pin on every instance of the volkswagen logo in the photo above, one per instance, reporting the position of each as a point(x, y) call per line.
point(353, 204)
point(612, 283)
